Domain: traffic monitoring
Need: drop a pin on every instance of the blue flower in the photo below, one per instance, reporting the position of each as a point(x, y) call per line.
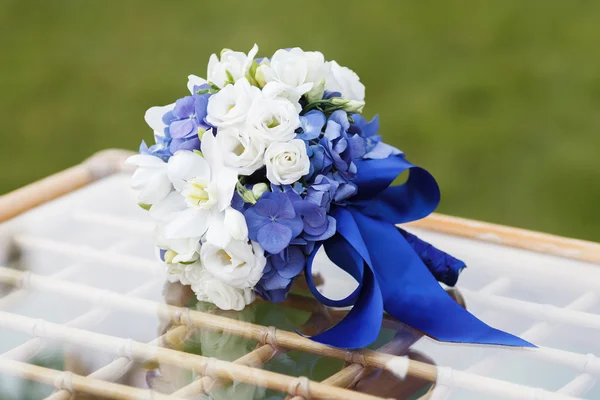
point(317, 224)
point(160, 149)
point(311, 125)
point(341, 146)
point(322, 191)
point(374, 146)
point(279, 272)
point(273, 222)
point(184, 121)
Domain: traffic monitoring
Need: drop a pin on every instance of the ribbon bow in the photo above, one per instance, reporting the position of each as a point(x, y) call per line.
point(391, 275)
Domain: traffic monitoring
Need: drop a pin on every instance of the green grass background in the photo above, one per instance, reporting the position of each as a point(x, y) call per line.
point(500, 100)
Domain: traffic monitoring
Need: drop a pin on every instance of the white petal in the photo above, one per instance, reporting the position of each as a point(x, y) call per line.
point(187, 223)
point(154, 116)
point(236, 224)
point(165, 209)
point(224, 178)
point(144, 160)
point(186, 165)
point(217, 234)
point(251, 54)
point(194, 80)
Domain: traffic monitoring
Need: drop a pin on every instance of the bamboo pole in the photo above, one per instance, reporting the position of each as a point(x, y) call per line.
point(509, 236)
point(78, 383)
point(257, 357)
point(98, 166)
point(399, 366)
point(116, 368)
point(205, 365)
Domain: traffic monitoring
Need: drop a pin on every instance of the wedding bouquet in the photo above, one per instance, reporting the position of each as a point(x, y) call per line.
point(268, 160)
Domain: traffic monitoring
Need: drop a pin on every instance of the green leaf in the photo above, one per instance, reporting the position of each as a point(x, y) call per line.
point(229, 77)
point(145, 206)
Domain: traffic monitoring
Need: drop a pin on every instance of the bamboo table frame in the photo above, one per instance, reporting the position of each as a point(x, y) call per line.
point(272, 341)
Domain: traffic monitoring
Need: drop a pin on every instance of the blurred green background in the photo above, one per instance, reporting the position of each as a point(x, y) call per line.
point(499, 100)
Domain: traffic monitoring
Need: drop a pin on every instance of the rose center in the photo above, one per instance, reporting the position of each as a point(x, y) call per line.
point(273, 123)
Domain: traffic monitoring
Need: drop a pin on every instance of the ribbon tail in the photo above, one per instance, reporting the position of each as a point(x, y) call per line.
point(361, 326)
point(412, 295)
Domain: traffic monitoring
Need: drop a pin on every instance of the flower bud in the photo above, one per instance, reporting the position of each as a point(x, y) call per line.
point(350, 106)
point(259, 189)
point(317, 91)
point(259, 75)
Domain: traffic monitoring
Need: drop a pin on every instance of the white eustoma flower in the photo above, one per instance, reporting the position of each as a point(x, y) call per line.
point(287, 162)
point(298, 70)
point(230, 106)
point(232, 65)
point(209, 288)
point(240, 151)
point(272, 120)
point(239, 264)
point(345, 81)
point(150, 178)
point(203, 190)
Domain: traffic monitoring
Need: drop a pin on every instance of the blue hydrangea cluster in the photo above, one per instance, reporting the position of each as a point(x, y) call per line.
point(289, 221)
point(182, 127)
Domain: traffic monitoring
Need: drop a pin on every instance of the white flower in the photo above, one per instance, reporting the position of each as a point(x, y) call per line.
point(240, 151)
point(182, 250)
point(233, 65)
point(298, 70)
point(150, 178)
point(231, 104)
point(287, 162)
point(239, 264)
point(203, 191)
point(345, 81)
point(278, 89)
point(192, 274)
point(272, 120)
point(226, 297)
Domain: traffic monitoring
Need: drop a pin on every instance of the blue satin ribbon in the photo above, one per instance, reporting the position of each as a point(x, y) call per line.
point(388, 266)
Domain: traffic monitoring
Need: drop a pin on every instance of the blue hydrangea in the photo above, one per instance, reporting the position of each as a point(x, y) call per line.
point(342, 147)
point(279, 273)
point(183, 123)
point(374, 146)
point(273, 221)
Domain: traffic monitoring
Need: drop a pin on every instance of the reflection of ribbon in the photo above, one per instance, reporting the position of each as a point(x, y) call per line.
point(391, 274)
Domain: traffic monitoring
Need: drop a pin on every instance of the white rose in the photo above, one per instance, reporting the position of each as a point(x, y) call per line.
point(226, 297)
point(272, 120)
point(240, 151)
point(233, 63)
point(345, 81)
point(239, 264)
point(150, 178)
point(231, 104)
point(287, 162)
point(297, 69)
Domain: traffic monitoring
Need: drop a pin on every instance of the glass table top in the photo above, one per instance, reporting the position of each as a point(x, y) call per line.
point(81, 290)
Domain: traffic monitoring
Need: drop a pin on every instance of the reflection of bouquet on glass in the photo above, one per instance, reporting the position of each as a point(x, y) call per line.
point(268, 160)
